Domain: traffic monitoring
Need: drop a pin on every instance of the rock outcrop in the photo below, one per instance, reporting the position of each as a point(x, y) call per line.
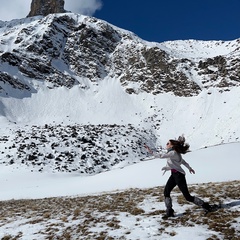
point(45, 7)
point(86, 149)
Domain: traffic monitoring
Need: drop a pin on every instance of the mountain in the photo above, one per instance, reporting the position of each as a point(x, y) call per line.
point(62, 49)
point(79, 94)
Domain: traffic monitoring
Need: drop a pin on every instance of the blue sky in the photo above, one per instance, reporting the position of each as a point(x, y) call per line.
point(163, 20)
point(153, 20)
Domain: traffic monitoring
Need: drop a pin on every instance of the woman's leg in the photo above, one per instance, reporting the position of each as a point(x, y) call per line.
point(182, 185)
point(171, 183)
point(168, 201)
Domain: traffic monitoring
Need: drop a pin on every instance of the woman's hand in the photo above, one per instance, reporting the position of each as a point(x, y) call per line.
point(191, 171)
point(148, 149)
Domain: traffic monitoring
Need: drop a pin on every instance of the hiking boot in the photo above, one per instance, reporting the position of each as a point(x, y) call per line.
point(214, 207)
point(169, 213)
point(206, 206)
point(199, 202)
point(210, 207)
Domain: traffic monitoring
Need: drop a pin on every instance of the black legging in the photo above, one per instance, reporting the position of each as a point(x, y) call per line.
point(178, 179)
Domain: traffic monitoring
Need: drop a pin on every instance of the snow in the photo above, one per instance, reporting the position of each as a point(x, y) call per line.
point(195, 49)
point(209, 120)
point(214, 164)
point(200, 118)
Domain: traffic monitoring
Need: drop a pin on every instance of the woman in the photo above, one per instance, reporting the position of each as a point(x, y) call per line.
point(174, 160)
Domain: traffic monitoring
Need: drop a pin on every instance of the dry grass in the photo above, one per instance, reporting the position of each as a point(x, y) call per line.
point(79, 217)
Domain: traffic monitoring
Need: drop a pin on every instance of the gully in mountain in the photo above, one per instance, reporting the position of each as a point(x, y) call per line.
point(174, 160)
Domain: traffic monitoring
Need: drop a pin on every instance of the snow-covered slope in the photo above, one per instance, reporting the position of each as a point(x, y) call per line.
point(123, 203)
point(196, 49)
point(213, 164)
point(92, 131)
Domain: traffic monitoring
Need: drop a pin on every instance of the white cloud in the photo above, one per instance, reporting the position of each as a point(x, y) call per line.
point(86, 7)
point(14, 9)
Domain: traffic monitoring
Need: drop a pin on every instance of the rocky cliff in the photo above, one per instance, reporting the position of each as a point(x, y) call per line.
point(45, 7)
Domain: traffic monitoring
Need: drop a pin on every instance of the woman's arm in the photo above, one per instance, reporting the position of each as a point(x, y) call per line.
point(187, 166)
point(167, 155)
point(155, 154)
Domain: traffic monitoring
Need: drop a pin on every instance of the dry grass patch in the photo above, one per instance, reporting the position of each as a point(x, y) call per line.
point(93, 217)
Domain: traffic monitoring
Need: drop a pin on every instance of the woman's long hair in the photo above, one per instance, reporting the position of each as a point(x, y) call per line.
point(179, 145)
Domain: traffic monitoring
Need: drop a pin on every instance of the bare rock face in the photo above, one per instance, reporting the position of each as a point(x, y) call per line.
point(45, 7)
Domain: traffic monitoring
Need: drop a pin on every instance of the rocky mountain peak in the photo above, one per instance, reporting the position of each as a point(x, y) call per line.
point(45, 7)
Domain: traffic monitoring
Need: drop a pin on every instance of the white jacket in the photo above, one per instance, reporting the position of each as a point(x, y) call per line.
point(174, 161)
